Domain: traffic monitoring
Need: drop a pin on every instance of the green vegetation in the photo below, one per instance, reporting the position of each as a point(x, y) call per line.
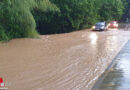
point(27, 18)
point(126, 16)
point(16, 19)
point(111, 10)
point(77, 14)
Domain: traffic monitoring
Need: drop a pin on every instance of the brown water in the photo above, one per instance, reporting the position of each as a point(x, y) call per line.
point(71, 61)
point(117, 77)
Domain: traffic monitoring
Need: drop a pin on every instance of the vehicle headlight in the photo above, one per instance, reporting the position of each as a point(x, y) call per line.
point(108, 24)
point(93, 27)
point(116, 25)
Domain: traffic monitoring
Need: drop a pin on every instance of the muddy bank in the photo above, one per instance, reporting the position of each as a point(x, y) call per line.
point(59, 62)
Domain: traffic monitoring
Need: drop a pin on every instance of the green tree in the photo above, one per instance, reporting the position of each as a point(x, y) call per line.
point(21, 18)
point(77, 14)
point(111, 10)
point(16, 17)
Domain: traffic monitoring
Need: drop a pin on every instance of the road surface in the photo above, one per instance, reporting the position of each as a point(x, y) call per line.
point(72, 61)
point(117, 77)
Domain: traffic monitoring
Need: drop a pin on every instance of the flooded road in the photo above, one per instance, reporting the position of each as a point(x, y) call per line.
point(118, 76)
point(70, 61)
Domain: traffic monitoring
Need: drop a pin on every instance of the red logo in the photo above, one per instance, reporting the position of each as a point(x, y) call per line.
point(2, 84)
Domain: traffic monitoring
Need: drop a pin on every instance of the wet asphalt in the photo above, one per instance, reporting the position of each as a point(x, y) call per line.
point(117, 76)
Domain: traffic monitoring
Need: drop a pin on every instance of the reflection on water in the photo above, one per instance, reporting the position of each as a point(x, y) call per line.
point(104, 51)
point(118, 78)
point(111, 43)
point(93, 37)
point(113, 29)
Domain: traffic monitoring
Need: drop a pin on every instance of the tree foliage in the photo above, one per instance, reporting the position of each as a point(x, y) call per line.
point(16, 17)
point(111, 10)
point(126, 15)
point(23, 18)
point(77, 14)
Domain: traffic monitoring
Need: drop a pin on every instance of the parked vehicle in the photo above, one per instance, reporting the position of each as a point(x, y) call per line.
point(113, 24)
point(100, 26)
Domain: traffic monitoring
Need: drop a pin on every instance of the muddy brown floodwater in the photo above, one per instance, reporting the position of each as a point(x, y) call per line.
point(70, 61)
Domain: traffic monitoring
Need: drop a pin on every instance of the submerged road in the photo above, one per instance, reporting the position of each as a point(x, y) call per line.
point(117, 77)
point(72, 61)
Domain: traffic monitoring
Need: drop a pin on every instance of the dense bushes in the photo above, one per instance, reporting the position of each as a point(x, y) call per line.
point(16, 19)
point(77, 14)
point(111, 10)
point(126, 16)
point(73, 15)
point(23, 18)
